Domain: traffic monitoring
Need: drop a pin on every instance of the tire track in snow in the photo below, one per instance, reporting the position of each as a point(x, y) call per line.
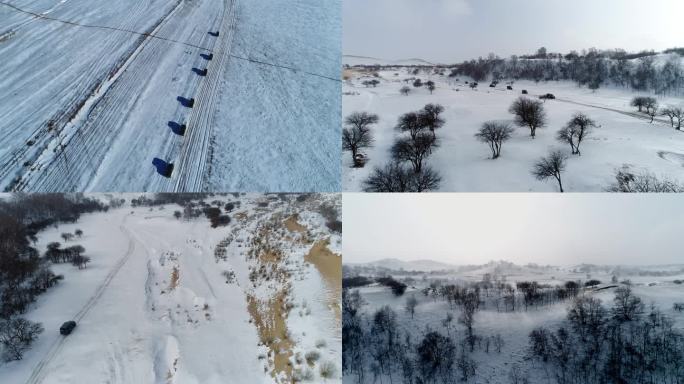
point(194, 154)
point(38, 374)
point(89, 82)
point(105, 27)
point(34, 17)
point(90, 133)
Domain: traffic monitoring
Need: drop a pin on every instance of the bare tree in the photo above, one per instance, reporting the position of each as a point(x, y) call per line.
point(405, 90)
point(494, 133)
point(425, 181)
point(80, 261)
point(412, 123)
point(357, 134)
point(552, 165)
point(447, 322)
point(429, 117)
point(411, 303)
point(575, 131)
point(627, 181)
point(528, 113)
point(670, 113)
point(430, 86)
point(652, 112)
point(639, 102)
point(498, 342)
point(414, 150)
point(678, 113)
point(67, 236)
point(626, 306)
point(587, 315)
point(16, 336)
point(436, 355)
point(394, 177)
point(469, 305)
point(651, 105)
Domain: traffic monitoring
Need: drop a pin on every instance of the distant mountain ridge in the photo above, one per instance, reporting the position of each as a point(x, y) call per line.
point(502, 267)
point(368, 60)
point(414, 265)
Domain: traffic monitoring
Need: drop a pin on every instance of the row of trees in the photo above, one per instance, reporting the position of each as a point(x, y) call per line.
point(592, 69)
point(531, 114)
point(417, 83)
point(74, 255)
point(623, 343)
point(375, 346)
point(674, 113)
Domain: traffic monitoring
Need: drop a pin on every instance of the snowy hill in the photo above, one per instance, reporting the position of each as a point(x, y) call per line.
point(400, 265)
point(366, 60)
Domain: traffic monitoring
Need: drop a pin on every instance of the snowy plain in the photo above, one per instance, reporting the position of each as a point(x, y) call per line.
point(88, 107)
point(623, 138)
point(155, 304)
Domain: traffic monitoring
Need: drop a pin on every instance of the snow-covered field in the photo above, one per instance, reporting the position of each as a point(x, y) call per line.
point(156, 304)
point(623, 138)
point(89, 106)
point(514, 327)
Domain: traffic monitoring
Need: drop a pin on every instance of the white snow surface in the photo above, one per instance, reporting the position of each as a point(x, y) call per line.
point(88, 109)
point(135, 325)
point(624, 138)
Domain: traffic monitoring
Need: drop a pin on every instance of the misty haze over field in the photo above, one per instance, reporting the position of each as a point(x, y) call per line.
point(531, 228)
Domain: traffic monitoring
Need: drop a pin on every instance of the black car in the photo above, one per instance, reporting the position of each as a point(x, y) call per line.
point(67, 327)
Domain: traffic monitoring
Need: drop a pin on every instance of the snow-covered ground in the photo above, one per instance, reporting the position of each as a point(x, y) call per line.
point(155, 305)
point(87, 107)
point(623, 138)
point(514, 327)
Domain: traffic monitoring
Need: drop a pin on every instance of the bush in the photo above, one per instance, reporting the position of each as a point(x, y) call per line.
point(328, 370)
point(312, 357)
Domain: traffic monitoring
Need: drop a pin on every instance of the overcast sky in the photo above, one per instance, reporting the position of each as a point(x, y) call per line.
point(539, 228)
point(455, 30)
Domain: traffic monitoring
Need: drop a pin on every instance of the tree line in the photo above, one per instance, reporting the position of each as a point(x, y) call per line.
point(591, 68)
point(623, 343)
point(24, 273)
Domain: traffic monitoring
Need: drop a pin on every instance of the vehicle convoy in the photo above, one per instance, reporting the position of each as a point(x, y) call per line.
point(67, 327)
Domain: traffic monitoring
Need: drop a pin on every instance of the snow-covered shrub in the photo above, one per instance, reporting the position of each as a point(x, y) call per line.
point(328, 369)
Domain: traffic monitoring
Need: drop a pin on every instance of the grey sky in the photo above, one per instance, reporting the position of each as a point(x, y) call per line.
point(540, 228)
point(455, 30)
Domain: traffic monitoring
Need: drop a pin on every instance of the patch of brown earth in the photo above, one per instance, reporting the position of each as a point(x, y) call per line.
point(329, 265)
point(269, 318)
point(292, 224)
point(269, 315)
point(175, 276)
